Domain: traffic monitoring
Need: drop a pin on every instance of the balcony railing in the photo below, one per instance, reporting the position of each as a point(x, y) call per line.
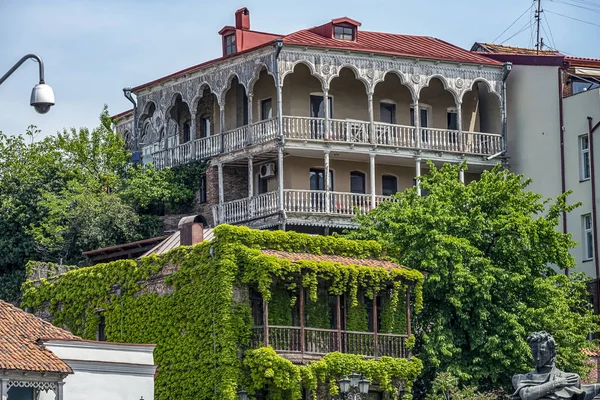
point(289, 339)
point(342, 131)
point(306, 202)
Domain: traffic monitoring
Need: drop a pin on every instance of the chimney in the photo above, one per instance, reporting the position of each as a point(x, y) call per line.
point(242, 19)
point(191, 230)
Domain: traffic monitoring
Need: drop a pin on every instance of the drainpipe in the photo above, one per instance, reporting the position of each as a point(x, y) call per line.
point(136, 149)
point(506, 70)
point(591, 129)
point(278, 45)
point(561, 134)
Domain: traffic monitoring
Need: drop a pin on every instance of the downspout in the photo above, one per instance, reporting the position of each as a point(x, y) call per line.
point(506, 70)
point(136, 145)
point(278, 45)
point(561, 134)
point(591, 130)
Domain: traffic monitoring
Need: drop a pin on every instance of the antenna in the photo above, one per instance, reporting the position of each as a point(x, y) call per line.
point(538, 18)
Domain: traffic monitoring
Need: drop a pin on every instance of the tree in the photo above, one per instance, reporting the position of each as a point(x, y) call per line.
point(487, 249)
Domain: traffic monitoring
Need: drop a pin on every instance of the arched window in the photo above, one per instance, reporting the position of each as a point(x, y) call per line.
point(186, 131)
point(357, 182)
point(389, 185)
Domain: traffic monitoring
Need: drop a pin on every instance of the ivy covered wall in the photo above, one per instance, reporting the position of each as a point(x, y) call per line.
point(202, 331)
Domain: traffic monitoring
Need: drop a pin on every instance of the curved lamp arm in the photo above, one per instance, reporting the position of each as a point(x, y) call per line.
point(21, 61)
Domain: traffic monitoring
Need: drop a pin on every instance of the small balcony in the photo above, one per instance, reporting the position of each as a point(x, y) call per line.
point(298, 203)
point(315, 130)
point(299, 343)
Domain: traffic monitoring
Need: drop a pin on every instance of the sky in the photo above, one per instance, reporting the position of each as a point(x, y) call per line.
point(93, 49)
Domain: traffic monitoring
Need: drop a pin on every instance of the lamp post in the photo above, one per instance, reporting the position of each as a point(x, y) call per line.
point(242, 394)
point(354, 387)
point(42, 96)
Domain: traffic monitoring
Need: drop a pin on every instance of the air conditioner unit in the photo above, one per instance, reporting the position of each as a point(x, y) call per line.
point(267, 170)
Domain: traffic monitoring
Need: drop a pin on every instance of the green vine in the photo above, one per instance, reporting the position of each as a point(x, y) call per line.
point(199, 316)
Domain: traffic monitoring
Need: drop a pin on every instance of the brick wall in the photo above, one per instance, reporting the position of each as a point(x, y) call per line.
point(593, 375)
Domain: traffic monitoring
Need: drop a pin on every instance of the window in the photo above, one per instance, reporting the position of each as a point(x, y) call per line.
point(357, 182)
point(266, 109)
point(204, 126)
point(424, 113)
point(263, 185)
point(579, 86)
point(101, 334)
point(588, 237)
point(387, 112)
point(585, 157)
point(230, 46)
point(186, 131)
point(317, 179)
point(452, 119)
point(342, 32)
point(317, 109)
point(203, 188)
point(389, 185)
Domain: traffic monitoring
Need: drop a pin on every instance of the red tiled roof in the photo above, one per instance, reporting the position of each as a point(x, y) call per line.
point(366, 262)
point(591, 353)
point(392, 44)
point(19, 347)
point(583, 62)
point(122, 114)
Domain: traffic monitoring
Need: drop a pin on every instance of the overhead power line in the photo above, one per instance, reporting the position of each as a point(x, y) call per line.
point(527, 26)
point(596, 10)
point(574, 19)
point(514, 22)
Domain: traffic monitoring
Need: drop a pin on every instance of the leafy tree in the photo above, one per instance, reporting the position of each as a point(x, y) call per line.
point(486, 248)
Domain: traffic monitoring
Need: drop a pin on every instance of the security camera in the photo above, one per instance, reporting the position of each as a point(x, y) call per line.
point(42, 98)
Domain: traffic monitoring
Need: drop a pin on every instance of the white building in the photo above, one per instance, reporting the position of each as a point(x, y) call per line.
point(39, 361)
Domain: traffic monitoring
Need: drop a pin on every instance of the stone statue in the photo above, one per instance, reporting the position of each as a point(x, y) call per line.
point(547, 382)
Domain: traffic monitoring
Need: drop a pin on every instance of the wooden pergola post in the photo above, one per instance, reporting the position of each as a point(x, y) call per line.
point(408, 327)
point(375, 324)
point(338, 322)
point(301, 295)
point(266, 321)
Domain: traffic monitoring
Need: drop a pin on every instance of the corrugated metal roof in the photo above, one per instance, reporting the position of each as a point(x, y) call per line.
point(173, 241)
point(393, 44)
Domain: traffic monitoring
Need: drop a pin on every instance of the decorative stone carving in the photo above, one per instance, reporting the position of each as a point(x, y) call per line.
point(547, 382)
point(39, 385)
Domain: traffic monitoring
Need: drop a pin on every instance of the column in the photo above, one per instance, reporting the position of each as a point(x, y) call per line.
point(372, 178)
point(372, 137)
point(193, 137)
point(59, 391)
point(462, 140)
point(327, 112)
point(417, 118)
point(3, 389)
point(418, 174)
point(221, 192)
point(461, 175)
point(250, 186)
point(222, 125)
point(327, 182)
point(280, 199)
point(249, 132)
point(375, 325)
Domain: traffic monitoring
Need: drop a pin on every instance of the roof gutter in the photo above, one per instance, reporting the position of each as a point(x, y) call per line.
point(278, 46)
point(505, 72)
point(591, 129)
point(135, 156)
point(561, 135)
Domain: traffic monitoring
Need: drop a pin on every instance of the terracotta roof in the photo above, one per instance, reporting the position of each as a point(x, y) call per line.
point(583, 62)
point(591, 353)
point(122, 114)
point(500, 49)
point(392, 44)
point(19, 347)
point(365, 262)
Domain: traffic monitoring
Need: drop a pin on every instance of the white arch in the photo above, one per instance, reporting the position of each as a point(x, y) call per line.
point(229, 81)
point(403, 81)
point(490, 89)
point(256, 76)
point(311, 68)
point(200, 94)
point(445, 83)
point(357, 76)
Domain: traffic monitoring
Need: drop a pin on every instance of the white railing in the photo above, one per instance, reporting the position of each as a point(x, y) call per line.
point(263, 131)
point(235, 139)
point(346, 130)
point(395, 135)
point(307, 202)
point(303, 128)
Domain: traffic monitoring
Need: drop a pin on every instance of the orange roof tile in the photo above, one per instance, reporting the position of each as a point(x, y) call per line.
point(365, 262)
point(19, 347)
point(501, 49)
point(591, 353)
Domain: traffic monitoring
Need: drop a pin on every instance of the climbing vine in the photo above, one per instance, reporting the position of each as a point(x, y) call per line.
point(193, 304)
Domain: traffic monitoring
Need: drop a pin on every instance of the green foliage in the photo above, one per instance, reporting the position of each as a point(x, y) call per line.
point(445, 386)
point(280, 312)
point(486, 248)
point(199, 329)
point(317, 311)
point(356, 318)
point(76, 191)
point(393, 317)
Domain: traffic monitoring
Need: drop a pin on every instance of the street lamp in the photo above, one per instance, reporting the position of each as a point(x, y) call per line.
point(42, 96)
point(354, 387)
point(242, 394)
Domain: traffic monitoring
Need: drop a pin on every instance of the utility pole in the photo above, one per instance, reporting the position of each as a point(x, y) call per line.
point(538, 17)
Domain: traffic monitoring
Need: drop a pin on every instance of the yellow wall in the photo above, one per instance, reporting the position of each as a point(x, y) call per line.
point(263, 89)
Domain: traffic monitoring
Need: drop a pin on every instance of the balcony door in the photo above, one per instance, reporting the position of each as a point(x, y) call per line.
point(424, 113)
point(317, 110)
point(317, 184)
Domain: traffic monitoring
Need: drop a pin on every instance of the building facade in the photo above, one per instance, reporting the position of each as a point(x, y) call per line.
point(304, 130)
